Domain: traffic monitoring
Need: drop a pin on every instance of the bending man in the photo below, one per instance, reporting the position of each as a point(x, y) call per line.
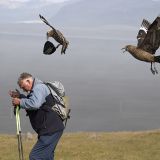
point(46, 122)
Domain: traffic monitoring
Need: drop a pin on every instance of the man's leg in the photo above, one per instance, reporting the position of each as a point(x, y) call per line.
point(45, 147)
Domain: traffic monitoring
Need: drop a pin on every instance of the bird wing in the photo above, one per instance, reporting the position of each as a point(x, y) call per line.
point(57, 34)
point(142, 31)
point(46, 22)
point(151, 41)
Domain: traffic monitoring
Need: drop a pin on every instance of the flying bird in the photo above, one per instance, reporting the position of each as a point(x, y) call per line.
point(57, 35)
point(148, 42)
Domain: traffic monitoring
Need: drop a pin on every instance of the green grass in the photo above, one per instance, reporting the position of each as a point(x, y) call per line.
point(93, 146)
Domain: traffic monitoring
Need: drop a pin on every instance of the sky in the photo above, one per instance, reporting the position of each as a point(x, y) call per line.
point(13, 4)
point(10, 2)
point(108, 90)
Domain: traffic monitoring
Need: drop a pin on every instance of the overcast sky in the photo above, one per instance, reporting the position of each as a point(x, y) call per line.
point(18, 3)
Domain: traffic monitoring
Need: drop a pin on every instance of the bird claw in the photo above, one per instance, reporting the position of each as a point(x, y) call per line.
point(154, 71)
point(58, 46)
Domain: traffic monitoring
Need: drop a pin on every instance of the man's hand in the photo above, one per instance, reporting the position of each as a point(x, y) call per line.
point(15, 101)
point(14, 94)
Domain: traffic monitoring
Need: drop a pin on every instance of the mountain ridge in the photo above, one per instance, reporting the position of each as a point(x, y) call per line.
point(103, 12)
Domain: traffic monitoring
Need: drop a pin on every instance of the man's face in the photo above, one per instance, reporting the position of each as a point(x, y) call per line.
point(26, 84)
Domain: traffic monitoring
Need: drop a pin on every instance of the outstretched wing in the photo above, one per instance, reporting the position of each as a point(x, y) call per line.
point(142, 31)
point(47, 23)
point(56, 34)
point(151, 41)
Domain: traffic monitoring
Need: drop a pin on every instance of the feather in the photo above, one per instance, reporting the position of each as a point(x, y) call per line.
point(145, 25)
point(142, 31)
point(151, 41)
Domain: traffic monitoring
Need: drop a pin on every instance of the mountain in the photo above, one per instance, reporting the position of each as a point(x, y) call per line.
point(83, 13)
point(103, 12)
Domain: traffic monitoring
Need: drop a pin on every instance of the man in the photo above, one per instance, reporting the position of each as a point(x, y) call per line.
point(44, 120)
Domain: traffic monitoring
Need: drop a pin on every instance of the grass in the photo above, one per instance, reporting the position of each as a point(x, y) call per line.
point(93, 146)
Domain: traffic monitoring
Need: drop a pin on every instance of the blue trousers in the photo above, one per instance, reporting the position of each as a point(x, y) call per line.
point(45, 147)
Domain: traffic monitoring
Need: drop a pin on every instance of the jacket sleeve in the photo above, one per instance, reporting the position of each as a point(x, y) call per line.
point(36, 98)
point(22, 96)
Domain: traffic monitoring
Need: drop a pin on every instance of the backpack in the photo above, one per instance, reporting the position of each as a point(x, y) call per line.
point(61, 101)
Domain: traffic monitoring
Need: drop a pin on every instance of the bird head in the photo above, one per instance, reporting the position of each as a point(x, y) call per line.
point(50, 34)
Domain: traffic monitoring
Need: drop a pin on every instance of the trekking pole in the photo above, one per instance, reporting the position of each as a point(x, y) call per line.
point(19, 136)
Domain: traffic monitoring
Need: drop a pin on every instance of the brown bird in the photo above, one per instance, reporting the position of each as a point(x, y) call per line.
point(57, 35)
point(148, 42)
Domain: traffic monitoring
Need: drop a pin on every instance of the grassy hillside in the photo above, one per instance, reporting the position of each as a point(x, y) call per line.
point(93, 146)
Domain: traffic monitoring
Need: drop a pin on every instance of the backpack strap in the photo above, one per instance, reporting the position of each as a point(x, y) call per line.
point(54, 97)
point(68, 117)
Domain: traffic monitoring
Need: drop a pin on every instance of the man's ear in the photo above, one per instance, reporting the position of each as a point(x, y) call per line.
point(28, 81)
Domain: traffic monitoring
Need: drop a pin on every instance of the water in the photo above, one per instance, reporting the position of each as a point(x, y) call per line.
point(109, 90)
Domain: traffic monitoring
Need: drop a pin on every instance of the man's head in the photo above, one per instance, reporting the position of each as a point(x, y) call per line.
point(25, 81)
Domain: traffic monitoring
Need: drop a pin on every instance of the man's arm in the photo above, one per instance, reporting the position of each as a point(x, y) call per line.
point(36, 98)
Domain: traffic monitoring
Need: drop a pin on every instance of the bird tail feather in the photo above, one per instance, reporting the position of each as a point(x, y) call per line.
point(157, 59)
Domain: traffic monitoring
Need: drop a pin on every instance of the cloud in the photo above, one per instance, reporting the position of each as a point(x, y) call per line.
point(13, 4)
point(55, 1)
point(30, 21)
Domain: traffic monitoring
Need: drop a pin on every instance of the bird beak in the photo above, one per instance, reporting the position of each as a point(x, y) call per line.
point(123, 49)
